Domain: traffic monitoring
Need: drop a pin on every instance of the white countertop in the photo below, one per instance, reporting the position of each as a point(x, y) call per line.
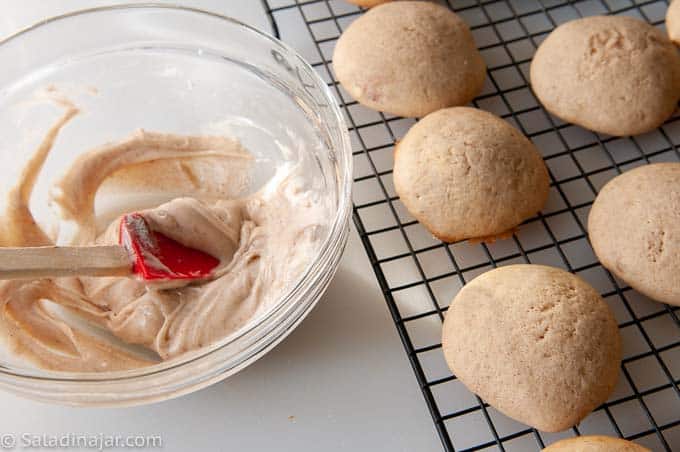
point(341, 381)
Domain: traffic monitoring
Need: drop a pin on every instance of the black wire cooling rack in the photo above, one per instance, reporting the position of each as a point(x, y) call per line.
point(419, 275)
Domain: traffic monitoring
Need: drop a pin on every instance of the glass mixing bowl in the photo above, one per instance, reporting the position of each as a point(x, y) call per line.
point(181, 70)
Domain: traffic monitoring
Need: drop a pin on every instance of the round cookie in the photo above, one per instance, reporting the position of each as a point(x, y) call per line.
point(595, 443)
point(673, 21)
point(367, 3)
point(611, 74)
point(537, 343)
point(634, 227)
point(409, 58)
point(466, 173)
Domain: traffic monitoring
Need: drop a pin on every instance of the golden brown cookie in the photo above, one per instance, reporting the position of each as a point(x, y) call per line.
point(634, 227)
point(611, 74)
point(595, 443)
point(537, 343)
point(673, 21)
point(368, 3)
point(409, 58)
point(465, 173)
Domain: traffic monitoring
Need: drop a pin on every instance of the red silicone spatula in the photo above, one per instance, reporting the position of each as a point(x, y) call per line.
point(143, 252)
point(157, 256)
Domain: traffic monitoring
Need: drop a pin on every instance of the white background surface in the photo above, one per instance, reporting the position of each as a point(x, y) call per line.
point(341, 381)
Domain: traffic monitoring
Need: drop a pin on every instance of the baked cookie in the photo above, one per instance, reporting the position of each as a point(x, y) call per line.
point(537, 343)
point(673, 21)
point(367, 3)
point(611, 74)
point(409, 58)
point(466, 173)
point(595, 443)
point(634, 227)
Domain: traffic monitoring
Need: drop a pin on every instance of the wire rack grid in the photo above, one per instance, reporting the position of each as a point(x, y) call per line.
point(419, 275)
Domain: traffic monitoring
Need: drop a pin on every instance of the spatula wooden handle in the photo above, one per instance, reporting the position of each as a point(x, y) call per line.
point(56, 261)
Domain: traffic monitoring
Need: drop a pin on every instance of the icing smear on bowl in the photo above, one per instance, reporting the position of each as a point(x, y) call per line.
point(264, 241)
